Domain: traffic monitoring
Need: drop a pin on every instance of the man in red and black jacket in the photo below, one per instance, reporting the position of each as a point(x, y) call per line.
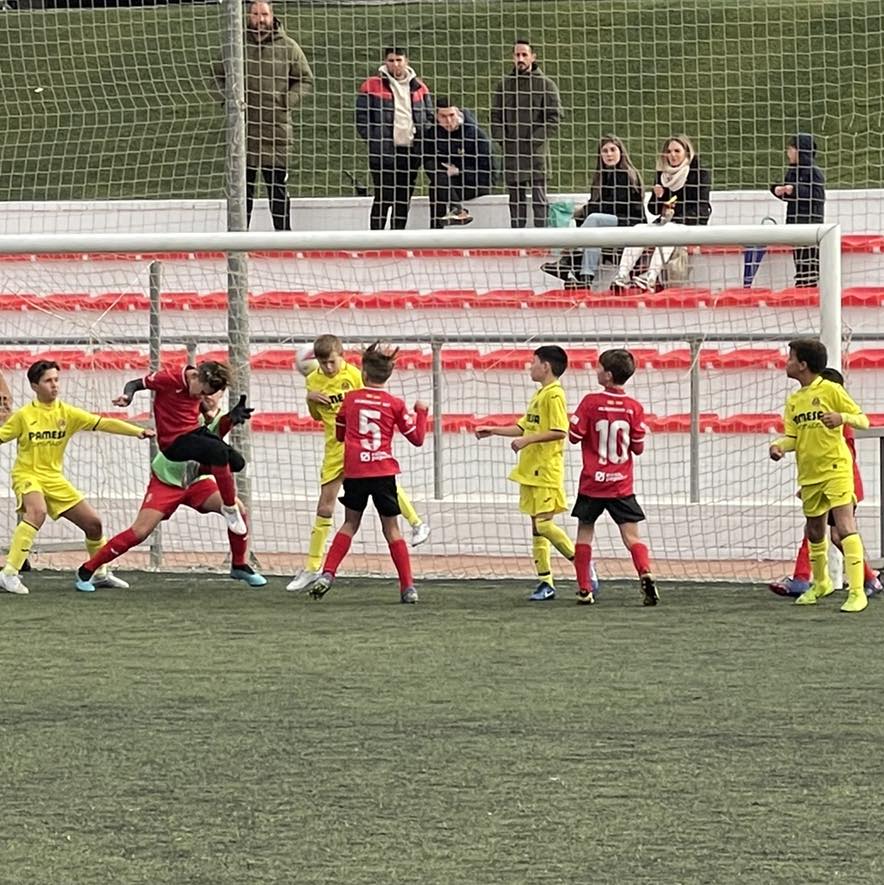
point(392, 109)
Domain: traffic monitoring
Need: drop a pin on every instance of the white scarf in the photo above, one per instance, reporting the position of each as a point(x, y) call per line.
point(403, 119)
point(674, 177)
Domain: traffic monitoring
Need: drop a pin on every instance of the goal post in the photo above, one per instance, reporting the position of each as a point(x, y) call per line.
point(467, 308)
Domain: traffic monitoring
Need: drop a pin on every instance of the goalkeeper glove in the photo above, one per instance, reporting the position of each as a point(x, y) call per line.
point(240, 413)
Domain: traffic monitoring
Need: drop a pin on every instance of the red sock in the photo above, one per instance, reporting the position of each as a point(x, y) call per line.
point(226, 485)
point(868, 572)
point(239, 545)
point(336, 552)
point(582, 559)
point(802, 562)
point(117, 546)
point(641, 559)
point(402, 561)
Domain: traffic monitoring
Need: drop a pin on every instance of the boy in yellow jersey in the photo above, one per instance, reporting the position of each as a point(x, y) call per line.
point(326, 387)
point(43, 428)
point(540, 472)
point(813, 423)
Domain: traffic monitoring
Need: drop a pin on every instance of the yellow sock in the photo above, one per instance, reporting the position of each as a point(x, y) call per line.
point(92, 547)
point(556, 536)
point(819, 562)
point(19, 547)
point(318, 536)
point(852, 546)
point(407, 508)
point(541, 549)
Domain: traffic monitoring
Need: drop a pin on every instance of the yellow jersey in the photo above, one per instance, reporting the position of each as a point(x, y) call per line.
point(43, 431)
point(347, 378)
point(543, 464)
point(821, 453)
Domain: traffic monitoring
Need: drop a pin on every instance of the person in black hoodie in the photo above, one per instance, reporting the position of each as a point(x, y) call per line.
point(680, 196)
point(456, 155)
point(804, 192)
point(615, 199)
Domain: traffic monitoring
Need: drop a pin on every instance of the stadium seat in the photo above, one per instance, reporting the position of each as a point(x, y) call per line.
point(281, 359)
point(793, 297)
point(16, 359)
point(863, 296)
point(447, 298)
point(677, 298)
point(870, 358)
point(749, 423)
point(679, 423)
point(741, 297)
point(504, 299)
point(507, 358)
point(279, 300)
point(743, 358)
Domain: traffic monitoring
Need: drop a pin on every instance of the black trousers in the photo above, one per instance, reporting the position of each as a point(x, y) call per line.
point(446, 191)
point(275, 180)
point(204, 447)
point(519, 201)
point(807, 266)
point(393, 188)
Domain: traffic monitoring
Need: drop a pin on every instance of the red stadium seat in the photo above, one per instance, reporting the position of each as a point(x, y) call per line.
point(863, 296)
point(507, 358)
point(16, 359)
point(677, 298)
point(793, 297)
point(504, 299)
point(862, 243)
point(274, 360)
point(750, 423)
point(385, 300)
point(740, 298)
point(582, 357)
point(283, 422)
point(332, 299)
point(447, 298)
point(744, 358)
point(679, 423)
point(870, 358)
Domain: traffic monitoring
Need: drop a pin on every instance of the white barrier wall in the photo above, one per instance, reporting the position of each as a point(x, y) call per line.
point(858, 211)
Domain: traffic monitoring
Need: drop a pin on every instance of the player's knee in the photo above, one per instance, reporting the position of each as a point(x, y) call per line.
point(92, 528)
point(235, 460)
point(34, 516)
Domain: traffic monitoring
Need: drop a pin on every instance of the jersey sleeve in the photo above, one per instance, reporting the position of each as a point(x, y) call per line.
point(844, 402)
point(638, 431)
point(341, 421)
point(164, 379)
point(413, 428)
point(557, 412)
point(579, 426)
point(80, 419)
point(11, 428)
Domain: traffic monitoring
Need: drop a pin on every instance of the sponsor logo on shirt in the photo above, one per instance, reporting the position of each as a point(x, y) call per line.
point(805, 417)
point(40, 435)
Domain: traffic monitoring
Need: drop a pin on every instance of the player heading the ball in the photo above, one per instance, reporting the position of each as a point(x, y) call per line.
point(365, 425)
point(43, 429)
point(180, 433)
point(813, 422)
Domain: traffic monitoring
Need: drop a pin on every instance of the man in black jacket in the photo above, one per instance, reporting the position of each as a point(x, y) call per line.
point(457, 159)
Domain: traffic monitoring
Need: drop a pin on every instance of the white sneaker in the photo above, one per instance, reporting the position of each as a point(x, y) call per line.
point(106, 578)
point(621, 282)
point(234, 520)
point(645, 281)
point(12, 584)
point(302, 580)
point(419, 534)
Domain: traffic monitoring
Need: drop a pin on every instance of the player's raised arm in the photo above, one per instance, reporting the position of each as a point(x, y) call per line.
point(414, 429)
point(131, 388)
point(80, 419)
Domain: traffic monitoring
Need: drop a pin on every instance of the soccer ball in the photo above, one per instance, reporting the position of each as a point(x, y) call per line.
point(305, 362)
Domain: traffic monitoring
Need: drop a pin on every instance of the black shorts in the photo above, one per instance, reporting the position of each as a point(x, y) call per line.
point(204, 447)
point(381, 490)
point(622, 510)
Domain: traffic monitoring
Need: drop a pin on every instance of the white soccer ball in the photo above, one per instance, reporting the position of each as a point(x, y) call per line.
point(305, 361)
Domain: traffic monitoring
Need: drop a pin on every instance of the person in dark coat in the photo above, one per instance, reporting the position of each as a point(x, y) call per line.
point(277, 77)
point(616, 199)
point(525, 111)
point(457, 159)
point(804, 192)
point(393, 108)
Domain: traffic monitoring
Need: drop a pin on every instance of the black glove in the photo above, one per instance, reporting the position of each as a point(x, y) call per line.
point(240, 413)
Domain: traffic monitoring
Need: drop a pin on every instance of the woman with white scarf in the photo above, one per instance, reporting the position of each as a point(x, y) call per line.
point(680, 196)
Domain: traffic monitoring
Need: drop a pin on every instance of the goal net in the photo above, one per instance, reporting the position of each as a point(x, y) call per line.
point(710, 374)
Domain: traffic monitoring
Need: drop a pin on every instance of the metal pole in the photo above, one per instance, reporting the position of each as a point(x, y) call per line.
point(237, 262)
point(830, 293)
point(695, 422)
point(438, 405)
point(155, 341)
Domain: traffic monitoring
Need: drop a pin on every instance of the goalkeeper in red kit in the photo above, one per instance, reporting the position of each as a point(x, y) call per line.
point(180, 434)
point(365, 425)
point(610, 427)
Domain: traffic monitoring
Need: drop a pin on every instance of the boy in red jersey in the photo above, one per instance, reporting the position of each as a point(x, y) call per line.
point(800, 579)
point(365, 425)
point(610, 427)
point(180, 434)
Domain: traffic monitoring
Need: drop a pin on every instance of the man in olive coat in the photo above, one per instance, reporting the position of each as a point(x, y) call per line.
point(277, 77)
point(525, 112)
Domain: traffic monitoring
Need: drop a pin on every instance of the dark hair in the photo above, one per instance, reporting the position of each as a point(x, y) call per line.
point(443, 101)
point(521, 41)
point(595, 188)
point(38, 369)
point(811, 351)
point(555, 356)
point(830, 374)
point(620, 363)
point(325, 345)
point(378, 362)
point(214, 374)
point(395, 50)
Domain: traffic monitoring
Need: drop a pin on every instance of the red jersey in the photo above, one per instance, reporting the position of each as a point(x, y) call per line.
point(175, 411)
point(365, 425)
point(610, 426)
point(850, 439)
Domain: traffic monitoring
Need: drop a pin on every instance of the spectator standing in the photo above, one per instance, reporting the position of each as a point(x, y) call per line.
point(804, 192)
point(615, 199)
point(277, 77)
point(456, 155)
point(525, 112)
point(392, 109)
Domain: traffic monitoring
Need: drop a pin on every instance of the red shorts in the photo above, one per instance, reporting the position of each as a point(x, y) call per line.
point(167, 499)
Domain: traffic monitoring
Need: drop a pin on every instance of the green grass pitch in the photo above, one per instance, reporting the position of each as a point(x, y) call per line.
point(190, 730)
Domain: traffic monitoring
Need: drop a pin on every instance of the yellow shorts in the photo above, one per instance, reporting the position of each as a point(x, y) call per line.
point(534, 500)
point(821, 497)
point(332, 466)
point(57, 492)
